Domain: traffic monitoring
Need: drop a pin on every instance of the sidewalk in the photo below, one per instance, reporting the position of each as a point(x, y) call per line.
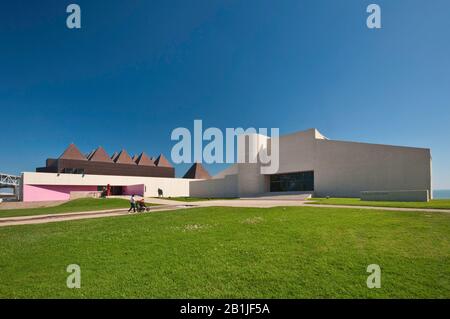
point(51, 218)
point(24, 205)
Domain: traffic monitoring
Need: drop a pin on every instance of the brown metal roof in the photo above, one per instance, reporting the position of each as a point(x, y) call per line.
point(100, 155)
point(124, 158)
point(143, 159)
point(73, 153)
point(197, 171)
point(161, 161)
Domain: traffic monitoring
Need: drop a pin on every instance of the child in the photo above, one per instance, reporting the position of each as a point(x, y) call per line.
point(141, 206)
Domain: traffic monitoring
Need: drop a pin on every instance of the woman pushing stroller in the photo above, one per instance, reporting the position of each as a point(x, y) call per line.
point(141, 207)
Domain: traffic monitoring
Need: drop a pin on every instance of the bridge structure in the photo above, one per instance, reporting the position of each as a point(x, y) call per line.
point(12, 182)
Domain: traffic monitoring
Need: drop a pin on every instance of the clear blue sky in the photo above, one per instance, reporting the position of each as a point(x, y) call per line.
point(138, 69)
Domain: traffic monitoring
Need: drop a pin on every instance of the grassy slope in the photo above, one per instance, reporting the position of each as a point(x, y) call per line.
point(76, 205)
point(433, 204)
point(294, 252)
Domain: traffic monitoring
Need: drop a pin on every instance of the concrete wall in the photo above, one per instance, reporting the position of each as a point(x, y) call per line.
point(297, 152)
point(401, 196)
point(221, 187)
point(250, 179)
point(343, 169)
point(172, 187)
point(84, 194)
point(39, 193)
point(232, 170)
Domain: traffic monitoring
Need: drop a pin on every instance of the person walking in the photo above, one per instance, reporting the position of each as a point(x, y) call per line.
point(132, 204)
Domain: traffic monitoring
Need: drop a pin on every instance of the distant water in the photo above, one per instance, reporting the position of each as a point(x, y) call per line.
point(441, 194)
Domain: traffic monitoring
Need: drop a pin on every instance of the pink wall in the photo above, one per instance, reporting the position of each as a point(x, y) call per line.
point(133, 189)
point(39, 193)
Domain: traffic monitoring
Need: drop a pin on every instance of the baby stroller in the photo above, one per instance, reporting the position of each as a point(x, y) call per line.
point(141, 207)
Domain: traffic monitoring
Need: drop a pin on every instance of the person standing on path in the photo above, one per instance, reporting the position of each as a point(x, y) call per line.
point(132, 204)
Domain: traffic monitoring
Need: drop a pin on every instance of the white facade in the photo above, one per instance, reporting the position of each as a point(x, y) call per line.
point(173, 187)
point(341, 169)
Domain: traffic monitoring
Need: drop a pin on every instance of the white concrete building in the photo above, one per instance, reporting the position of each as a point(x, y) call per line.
point(311, 162)
point(308, 162)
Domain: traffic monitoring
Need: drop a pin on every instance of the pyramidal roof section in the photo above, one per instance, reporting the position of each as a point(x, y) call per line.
point(73, 153)
point(134, 158)
point(100, 155)
point(144, 160)
point(197, 171)
point(124, 158)
point(161, 161)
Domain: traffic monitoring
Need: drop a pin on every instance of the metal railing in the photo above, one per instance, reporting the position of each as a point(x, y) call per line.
point(9, 180)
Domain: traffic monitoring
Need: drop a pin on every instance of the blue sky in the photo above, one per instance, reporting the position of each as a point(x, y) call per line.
point(138, 69)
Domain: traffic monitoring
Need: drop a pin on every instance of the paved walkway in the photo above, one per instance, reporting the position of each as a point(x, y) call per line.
point(162, 201)
point(168, 205)
point(153, 200)
point(258, 203)
point(24, 205)
point(51, 218)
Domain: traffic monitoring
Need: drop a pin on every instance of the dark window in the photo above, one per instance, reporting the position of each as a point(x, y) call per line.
point(116, 190)
point(292, 182)
point(68, 170)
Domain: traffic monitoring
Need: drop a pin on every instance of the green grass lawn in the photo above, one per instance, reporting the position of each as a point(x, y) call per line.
point(195, 199)
point(220, 252)
point(433, 204)
point(76, 205)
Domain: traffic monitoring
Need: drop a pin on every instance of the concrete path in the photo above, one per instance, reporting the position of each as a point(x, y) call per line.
point(295, 196)
point(51, 218)
point(174, 205)
point(24, 205)
point(152, 200)
point(258, 203)
point(163, 201)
